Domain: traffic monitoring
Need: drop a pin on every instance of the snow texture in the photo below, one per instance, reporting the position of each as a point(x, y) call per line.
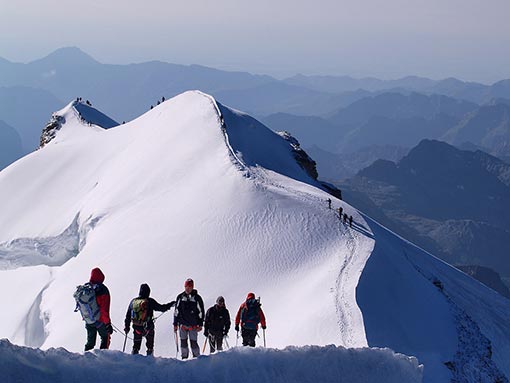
point(293, 364)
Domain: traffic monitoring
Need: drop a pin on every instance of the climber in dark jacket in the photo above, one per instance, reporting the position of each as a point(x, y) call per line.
point(141, 312)
point(189, 318)
point(217, 324)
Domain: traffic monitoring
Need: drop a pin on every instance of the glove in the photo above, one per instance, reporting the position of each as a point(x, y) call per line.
point(206, 333)
point(109, 328)
point(237, 327)
point(175, 327)
point(264, 327)
point(126, 330)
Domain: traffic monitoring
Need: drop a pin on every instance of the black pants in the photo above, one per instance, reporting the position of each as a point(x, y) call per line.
point(140, 332)
point(248, 335)
point(215, 342)
point(92, 332)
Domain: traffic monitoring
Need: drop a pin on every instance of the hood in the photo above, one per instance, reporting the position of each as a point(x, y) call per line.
point(96, 276)
point(145, 291)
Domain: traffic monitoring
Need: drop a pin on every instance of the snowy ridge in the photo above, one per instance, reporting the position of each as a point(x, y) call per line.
point(195, 189)
point(145, 181)
point(235, 158)
point(304, 364)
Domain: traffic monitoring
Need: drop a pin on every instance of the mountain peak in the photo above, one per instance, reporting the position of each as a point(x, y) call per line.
point(68, 55)
point(80, 111)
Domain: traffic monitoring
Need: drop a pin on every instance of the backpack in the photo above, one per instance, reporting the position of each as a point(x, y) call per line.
point(85, 297)
point(250, 316)
point(139, 311)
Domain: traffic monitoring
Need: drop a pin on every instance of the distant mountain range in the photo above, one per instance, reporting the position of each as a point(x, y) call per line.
point(393, 119)
point(487, 127)
point(453, 203)
point(337, 166)
point(452, 87)
point(337, 114)
point(384, 119)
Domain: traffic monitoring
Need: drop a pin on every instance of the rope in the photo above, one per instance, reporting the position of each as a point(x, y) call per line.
point(122, 332)
point(156, 317)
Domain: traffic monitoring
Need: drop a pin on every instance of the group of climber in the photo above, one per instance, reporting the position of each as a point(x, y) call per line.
point(159, 102)
point(341, 214)
point(93, 302)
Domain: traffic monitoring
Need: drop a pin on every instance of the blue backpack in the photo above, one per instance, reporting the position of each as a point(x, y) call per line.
point(250, 316)
point(86, 303)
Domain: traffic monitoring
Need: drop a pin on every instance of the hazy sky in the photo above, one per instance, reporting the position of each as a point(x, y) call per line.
point(468, 39)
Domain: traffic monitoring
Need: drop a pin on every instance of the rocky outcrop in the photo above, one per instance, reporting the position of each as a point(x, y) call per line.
point(303, 159)
point(50, 130)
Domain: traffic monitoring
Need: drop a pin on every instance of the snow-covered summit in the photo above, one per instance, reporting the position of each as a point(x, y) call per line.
point(77, 114)
point(195, 189)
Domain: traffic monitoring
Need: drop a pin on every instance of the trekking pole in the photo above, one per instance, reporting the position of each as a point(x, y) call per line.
point(125, 340)
point(264, 335)
point(226, 341)
point(205, 343)
point(237, 337)
point(176, 344)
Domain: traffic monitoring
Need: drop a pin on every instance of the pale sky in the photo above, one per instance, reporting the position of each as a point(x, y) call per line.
point(467, 39)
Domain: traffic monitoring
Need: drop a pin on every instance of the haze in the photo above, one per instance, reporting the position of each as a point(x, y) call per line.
point(468, 39)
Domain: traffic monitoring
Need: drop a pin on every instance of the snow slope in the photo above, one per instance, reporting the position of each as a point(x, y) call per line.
point(195, 189)
point(162, 198)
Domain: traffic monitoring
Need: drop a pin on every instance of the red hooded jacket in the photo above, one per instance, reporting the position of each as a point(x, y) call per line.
point(102, 295)
point(243, 305)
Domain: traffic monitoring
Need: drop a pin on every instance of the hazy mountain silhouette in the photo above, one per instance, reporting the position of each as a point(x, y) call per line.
point(451, 202)
point(337, 166)
point(488, 127)
point(27, 109)
point(386, 119)
point(340, 84)
point(10, 145)
point(395, 105)
point(128, 90)
point(452, 87)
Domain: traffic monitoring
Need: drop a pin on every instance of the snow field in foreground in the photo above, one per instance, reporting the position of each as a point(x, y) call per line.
point(304, 364)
